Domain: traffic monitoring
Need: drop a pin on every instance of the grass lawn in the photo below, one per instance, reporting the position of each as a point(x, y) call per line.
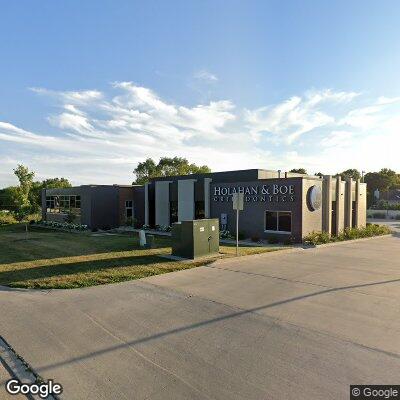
point(49, 259)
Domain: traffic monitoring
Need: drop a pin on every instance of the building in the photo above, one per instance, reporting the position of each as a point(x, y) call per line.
point(98, 206)
point(282, 205)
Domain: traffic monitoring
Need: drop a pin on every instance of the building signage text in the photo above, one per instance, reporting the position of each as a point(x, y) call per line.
point(259, 193)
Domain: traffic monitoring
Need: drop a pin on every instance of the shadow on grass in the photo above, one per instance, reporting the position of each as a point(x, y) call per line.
point(41, 244)
point(21, 277)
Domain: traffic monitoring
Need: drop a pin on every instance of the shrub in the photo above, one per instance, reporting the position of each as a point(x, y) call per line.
point(370, 230)
point(255, 239)
point(315, 238)
point(7, 218)
point(225, 234)
point(273, 240)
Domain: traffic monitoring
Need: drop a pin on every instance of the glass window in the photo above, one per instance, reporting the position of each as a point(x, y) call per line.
point(271, 221)
point(278, 221)
point(173, 211)
point(199, 212)
point(284, 221)
point(128, 203)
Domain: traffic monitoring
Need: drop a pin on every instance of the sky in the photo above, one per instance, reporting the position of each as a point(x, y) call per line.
point(90, 88)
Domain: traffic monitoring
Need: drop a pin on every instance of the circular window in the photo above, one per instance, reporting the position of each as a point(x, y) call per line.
point(314, 198)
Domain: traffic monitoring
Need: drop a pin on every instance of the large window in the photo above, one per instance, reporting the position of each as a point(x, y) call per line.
point(63, 204)
point(278, 221)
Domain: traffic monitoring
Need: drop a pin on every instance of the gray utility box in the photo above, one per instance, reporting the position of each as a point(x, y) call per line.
point(197, 238)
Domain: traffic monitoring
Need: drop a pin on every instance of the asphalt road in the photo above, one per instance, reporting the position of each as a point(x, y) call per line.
point(302, 324)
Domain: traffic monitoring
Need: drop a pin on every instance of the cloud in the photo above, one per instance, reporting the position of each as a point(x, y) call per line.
point(205, 76)
point(100, 137)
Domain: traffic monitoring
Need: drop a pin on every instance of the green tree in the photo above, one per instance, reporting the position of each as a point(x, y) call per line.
point(299, 171)
point(148, 169)
point(350, 173)
point(21, 194)
point(320, 174)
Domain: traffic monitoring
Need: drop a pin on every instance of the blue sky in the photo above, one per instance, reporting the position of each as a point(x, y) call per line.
point(88, 89)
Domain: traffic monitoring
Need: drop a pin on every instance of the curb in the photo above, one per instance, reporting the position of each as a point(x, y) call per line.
point(20, 369)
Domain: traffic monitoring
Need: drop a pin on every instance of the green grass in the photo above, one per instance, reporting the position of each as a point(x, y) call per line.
point(49, 259)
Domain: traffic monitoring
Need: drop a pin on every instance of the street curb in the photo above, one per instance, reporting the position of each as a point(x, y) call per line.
point(20, 369)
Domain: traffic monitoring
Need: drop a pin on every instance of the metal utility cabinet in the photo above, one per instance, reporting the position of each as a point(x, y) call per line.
point(197, 238)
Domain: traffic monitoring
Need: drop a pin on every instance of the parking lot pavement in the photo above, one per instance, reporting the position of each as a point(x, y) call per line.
point(303, 324)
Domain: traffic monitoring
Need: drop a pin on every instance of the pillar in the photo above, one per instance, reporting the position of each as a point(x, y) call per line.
point(186, 199)
point(207, 182)
point(348, 203)
point(327, 204)
point(146, 204)
point(162, 202)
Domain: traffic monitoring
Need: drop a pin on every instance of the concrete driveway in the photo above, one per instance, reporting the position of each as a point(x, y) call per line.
point(301, 324)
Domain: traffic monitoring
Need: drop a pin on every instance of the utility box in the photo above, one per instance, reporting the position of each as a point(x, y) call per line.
point(197, 238)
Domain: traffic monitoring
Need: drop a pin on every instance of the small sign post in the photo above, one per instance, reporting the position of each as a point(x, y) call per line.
point(237, 201)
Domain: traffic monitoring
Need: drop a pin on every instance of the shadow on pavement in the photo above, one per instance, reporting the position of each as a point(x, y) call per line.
point(213, 321)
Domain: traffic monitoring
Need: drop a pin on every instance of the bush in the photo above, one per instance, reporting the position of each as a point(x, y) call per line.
point(255, 239)
point(63, 225)
point(370, 230)
point(273, 240)
point(225, 234)
point(315, 238)
point(7, 218)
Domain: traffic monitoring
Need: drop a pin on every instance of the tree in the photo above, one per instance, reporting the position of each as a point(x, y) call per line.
point(299, 171)
point(320, 174)
point(21, 194)
point(350, 173)
point(148, 169)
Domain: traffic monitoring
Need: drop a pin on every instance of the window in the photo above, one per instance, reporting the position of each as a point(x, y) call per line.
point(278, 221)
point(63, 204)
point(129, 208)
point(199, 212)
point(173, 212)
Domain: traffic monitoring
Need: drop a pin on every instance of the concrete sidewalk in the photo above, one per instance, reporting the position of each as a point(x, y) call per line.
point(283, 325)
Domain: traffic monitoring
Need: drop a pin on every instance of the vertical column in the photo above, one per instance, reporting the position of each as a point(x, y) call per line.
point(186, 199)
point(357, 203)
point(348, 205)
point(327, 204)
point(146, 204)
point(339, 208)
point(207, 182)
point(162, 202)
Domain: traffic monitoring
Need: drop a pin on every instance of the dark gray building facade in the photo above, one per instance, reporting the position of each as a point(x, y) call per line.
point(275, 204)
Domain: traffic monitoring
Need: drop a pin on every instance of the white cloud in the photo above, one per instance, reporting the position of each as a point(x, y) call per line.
point(205, 76)
point(100, 138)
